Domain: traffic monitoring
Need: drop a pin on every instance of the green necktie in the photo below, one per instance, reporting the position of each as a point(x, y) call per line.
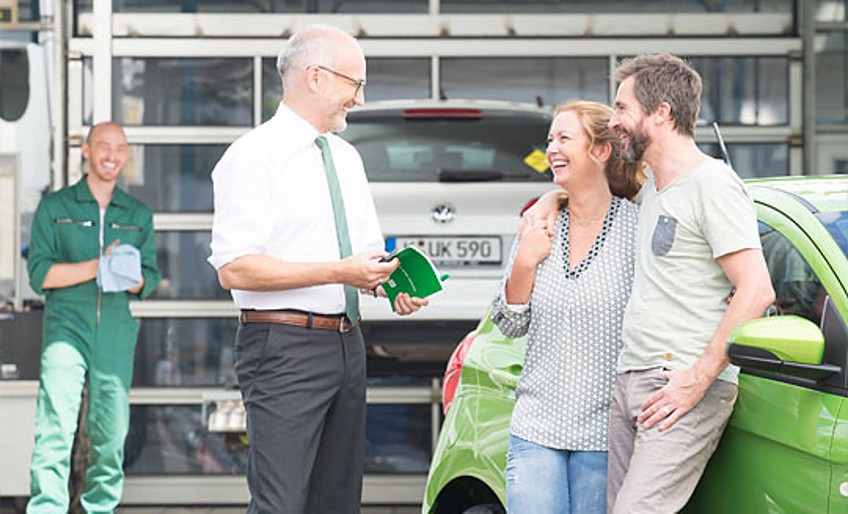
point(351, 294)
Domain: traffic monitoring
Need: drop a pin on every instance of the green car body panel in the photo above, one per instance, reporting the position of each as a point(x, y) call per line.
point(776, 455)
point(785, 449)
point(473, 439)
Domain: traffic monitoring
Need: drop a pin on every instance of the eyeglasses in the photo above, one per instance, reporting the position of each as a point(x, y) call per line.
point(360, 84)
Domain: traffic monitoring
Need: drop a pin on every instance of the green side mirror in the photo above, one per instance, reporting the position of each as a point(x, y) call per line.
point(789, 338)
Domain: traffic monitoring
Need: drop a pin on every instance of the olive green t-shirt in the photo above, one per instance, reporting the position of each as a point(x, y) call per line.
point(679, 290)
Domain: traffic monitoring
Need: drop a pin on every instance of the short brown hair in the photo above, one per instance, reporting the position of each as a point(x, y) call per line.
point(665, 78)
point(625, 177)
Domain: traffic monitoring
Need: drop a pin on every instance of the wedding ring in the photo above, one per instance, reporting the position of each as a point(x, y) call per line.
point(666, 410)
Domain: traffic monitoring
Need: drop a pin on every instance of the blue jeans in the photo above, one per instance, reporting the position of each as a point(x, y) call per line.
point(546, 480)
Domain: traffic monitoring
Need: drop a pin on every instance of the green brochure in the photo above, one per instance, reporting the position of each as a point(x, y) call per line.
point(416, 275)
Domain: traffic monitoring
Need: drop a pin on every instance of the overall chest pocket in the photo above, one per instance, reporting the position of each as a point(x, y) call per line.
point(663, 238)
point(77, 238)
point(127, 232)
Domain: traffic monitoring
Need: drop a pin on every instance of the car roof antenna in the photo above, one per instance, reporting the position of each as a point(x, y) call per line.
point(539, 101)
point(724, 153)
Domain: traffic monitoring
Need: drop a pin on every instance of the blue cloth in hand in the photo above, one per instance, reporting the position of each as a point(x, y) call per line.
point(120, 270)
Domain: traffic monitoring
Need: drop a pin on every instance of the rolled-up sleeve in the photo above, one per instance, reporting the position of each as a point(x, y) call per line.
point(241, 190)
point(42, 248)
point(512, 321)
point(149, 268)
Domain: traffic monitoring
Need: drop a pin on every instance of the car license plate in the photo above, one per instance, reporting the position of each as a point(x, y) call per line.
point(452, 250)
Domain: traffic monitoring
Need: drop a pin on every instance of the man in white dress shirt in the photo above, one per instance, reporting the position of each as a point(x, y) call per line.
point(277, 245)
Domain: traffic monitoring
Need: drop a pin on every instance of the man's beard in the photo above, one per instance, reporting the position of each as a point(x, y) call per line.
point(637, 143)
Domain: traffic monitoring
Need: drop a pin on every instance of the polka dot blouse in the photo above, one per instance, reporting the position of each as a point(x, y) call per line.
point(573, 328)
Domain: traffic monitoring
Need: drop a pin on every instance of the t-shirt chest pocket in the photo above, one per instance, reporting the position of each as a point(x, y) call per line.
point(663, 237)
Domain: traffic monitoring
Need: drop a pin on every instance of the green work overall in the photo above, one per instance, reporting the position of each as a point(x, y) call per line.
point(89, 336)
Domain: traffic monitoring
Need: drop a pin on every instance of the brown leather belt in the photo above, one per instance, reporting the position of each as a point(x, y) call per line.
point(337, 322)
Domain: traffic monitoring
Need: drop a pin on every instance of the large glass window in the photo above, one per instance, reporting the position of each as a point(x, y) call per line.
point(185, 273)
point(185, 352)
point(28, 10)
point(397, 438)
point(272, 88)
point(831, 10)
point(752, 160)
point(173, 178)
point(173, 440)
point(832, 77)
point(189, 352)
point(184, 91)
point(546, 81)
point(744, 90)
point(388, 79)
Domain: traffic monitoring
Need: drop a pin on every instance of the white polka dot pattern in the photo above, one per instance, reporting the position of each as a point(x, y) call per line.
point(573, 329)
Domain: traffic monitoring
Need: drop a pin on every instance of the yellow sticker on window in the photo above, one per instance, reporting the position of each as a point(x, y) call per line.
point(537, 160)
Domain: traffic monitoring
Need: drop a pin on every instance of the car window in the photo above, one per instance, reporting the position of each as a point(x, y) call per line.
point(797, 289)
point(836, 223)
point(484, 148)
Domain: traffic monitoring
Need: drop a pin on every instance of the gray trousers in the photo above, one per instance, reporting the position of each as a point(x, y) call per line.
point(655, 472)
point(304, 395)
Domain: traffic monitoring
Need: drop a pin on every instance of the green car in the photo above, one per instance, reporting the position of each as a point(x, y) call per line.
point(786, 446)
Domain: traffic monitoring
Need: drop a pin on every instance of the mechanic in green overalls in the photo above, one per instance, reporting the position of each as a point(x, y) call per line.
point(89, 335)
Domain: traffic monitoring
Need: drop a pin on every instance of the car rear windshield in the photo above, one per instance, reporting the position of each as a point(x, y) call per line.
point(421, 145)
point(837, 224)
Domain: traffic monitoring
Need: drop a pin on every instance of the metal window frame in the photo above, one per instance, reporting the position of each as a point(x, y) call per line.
point(102, 35)
point(507, 25)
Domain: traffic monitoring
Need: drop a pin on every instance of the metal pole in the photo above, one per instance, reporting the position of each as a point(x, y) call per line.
point(58, 96)
point(807, 15)
point(102, 60)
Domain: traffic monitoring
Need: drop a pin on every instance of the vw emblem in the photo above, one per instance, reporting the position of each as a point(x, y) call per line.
point(442, 213)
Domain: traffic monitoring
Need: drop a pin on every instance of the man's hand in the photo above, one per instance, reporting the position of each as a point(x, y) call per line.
point(108, 250)
point(682, 393)
point(752, 295)
point(365, 271)
point(534, 243)
point(405, 304)
point(544, 212)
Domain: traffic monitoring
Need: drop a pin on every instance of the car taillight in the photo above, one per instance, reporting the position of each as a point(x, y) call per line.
point(442, 113)
point(527, 205)
point(454, 370)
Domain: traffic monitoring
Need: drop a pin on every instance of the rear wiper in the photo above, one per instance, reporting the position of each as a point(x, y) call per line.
point(470, 175)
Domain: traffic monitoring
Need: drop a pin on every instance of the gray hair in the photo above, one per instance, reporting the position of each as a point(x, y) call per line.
point(308, 46)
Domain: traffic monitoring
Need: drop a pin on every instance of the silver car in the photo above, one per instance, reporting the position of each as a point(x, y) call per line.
point(451, 177)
